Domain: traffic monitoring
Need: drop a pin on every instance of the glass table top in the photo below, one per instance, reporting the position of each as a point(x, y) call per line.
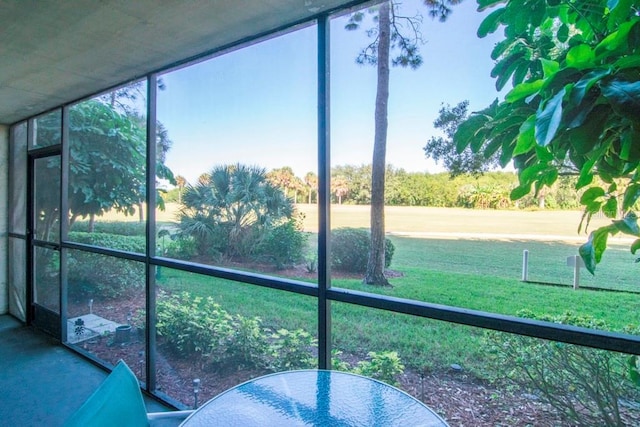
point(314, 398)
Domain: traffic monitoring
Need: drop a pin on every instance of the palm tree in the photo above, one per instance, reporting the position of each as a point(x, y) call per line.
point(311, 180)
point(181, 181)
point(282, 177)
point(230, 208)
point(340, 187)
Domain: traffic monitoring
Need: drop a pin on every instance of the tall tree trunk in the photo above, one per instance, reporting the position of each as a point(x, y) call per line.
point(375, 265)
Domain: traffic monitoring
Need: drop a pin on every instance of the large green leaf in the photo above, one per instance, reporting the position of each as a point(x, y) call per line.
point(507, 63)
point(587, 253)
point(468, 130)
point(575, 116)
point(631, 196)
point(610, 208)
point(549, 177)
point(526, 138)
point(503, 125)
point(543, 154)
point(490, 23)
point(619, 11)
point(591, 195)
point(523, 90)
point(502, 47)
point(520, 191)
point(580, 56)
point(531, 173)
point(616, 40)
point(624, 96)
point(549, 67)
point(514, 65)
point(628, 225)
point(507, 154)
point(548, 119)
point(591, 252)
point(491, 147)
point(628, 62)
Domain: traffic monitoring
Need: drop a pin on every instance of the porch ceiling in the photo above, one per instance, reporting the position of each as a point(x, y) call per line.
point(53, 52)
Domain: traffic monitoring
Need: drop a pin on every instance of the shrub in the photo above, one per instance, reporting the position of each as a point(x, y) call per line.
point(292, 350)
point(122, 228)
point(384, 366)
point(180, 247)
point(350, 250)
point(283, 245)
point(89, 274)
point(111, 241)
point(338, 364)
point(585, 385)
point(248, 345)
point(195, 326)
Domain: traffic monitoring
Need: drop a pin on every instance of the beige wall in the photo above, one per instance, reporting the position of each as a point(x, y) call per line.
point(4, 216)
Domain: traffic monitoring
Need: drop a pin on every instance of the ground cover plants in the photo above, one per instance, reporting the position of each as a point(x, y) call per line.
point(587, 386)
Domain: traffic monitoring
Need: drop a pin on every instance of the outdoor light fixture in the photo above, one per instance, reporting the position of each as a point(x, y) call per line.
point(196, 390)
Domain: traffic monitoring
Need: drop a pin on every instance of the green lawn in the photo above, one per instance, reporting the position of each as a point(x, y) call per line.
point(475, 274)
point(503, 258)
point(458, 257)
point(400, 219)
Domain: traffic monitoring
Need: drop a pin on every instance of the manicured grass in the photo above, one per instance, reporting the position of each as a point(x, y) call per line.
point(479, 271)
point(432, 272)
point(415, 219)
point(503, 258)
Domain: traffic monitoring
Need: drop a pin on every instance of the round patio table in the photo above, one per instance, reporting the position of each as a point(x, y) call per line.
point(314, 398)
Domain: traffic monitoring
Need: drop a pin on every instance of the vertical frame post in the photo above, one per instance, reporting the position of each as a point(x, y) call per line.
point(64, 219)
point(324, 173)
point(30, 222)
point(150, 283)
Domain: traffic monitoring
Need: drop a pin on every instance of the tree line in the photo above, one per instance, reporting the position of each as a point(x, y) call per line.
point(351, 184)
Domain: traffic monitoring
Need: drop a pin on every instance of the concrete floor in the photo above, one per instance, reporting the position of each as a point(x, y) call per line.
point(42, 382)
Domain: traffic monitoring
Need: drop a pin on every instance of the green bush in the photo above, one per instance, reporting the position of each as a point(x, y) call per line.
point(248, 345)
point(112, 241)
point(123, 228)
point(350, 250)
point(180, 248)
point(585, 385)
point(293, 350)
point(195, 326)
point(384, 366)
point(90, 276)
point(284, 245)
point(338, 364)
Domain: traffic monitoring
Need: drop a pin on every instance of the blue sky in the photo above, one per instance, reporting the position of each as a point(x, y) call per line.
point(258, 105)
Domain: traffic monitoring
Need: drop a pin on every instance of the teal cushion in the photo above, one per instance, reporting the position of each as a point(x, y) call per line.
point(117, 402)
